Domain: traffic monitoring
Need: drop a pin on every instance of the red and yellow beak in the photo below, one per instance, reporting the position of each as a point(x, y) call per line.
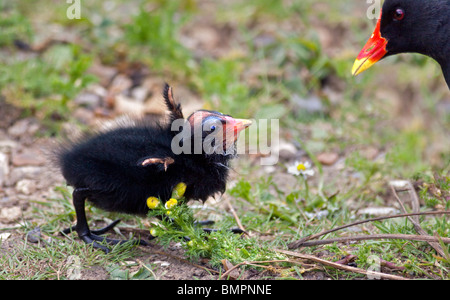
point(241, 124)
point(373, 51)
point(236, 125)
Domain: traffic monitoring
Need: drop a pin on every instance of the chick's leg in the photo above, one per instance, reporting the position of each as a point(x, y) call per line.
point(82, 228)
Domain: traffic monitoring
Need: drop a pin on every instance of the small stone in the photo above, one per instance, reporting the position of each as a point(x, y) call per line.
point(287, 150)
point(24, 126)
point(34, 236)
point(84, 115)
point(6, 146)
point(19, 173)
point(4, 236)
point(10, 214)
point(28, 158)
point(4, 167)
point(312, 104)
point(129, 106)
point(19, 128)
point(378, 211)
point(88, 99)
point(140, 93)
point(370, 153)
point(327, 158)
point(26, 186)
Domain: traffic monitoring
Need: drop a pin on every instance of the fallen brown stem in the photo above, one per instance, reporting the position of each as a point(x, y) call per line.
point(250, 263)
point(415, 221)
point(373, 274)
point(300, 242)
point(238, 221)
point(411, 237)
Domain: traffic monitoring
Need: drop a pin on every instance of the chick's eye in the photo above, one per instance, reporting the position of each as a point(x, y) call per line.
point(399, 14)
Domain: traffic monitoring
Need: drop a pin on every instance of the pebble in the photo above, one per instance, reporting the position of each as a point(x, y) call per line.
point(140, 93)
point(129, 106)
point(162, 263)
point(4, 236)
point(16, 174)
point(84, 115)
point(287, 150)
point(26, 186)
point(4, 167)
point(10, 214)
point(28, 158)
point(370, 153)
point(19, 128)
point(34, 236)
point(328, 158)
point(24, 126)
point(378, 211)
point(6, 146)
point(88, 99)
point(312, 104)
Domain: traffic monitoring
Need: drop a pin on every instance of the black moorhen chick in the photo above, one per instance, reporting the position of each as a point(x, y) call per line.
point(421, 26)
point(117, 170)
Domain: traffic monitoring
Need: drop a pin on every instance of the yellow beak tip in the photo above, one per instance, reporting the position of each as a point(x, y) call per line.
point(361, 65)
point(355, 71)
point(244, 122)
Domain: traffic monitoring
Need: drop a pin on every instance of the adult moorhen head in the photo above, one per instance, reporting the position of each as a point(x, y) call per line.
point(421, 26)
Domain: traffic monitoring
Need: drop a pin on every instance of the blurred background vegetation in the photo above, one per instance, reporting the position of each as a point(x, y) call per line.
point(288, 60)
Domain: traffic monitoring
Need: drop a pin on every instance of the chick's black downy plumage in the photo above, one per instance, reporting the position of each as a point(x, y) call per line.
point(118, 169)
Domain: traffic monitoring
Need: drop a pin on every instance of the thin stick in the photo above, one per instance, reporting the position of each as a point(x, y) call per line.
point(415, 221)
point(299, 243)
point(252, 263)
point(147, 268)
point(238, 221)
point(411, 237)
point(373, 274)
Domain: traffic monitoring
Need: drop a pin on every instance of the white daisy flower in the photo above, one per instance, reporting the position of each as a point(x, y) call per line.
point(301, 168)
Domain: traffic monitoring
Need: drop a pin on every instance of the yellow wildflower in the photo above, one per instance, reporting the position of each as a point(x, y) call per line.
point(179, 190)
point(301, 167)
point(154, 232)
point(152, 202)
point(171, 203)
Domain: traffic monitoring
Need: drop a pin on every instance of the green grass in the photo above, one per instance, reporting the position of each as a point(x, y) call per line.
point(276, 53)
point(50, 259)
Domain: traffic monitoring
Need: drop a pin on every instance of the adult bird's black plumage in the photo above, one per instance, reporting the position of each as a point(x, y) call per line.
point(118, 169)
point(421, 26)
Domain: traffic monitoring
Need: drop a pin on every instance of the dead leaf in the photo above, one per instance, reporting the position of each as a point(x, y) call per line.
point(226, 264)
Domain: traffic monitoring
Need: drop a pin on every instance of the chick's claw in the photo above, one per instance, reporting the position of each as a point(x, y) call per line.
point(165, 161)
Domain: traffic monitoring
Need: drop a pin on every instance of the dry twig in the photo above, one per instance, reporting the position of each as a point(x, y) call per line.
point(251, 263)
point(302, 241)
point(238, 221)
point(415, 221)
point(373, 274)
point(411, 237)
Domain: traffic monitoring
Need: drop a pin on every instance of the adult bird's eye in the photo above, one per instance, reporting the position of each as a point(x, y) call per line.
point(399, 14)
point(213, 127)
